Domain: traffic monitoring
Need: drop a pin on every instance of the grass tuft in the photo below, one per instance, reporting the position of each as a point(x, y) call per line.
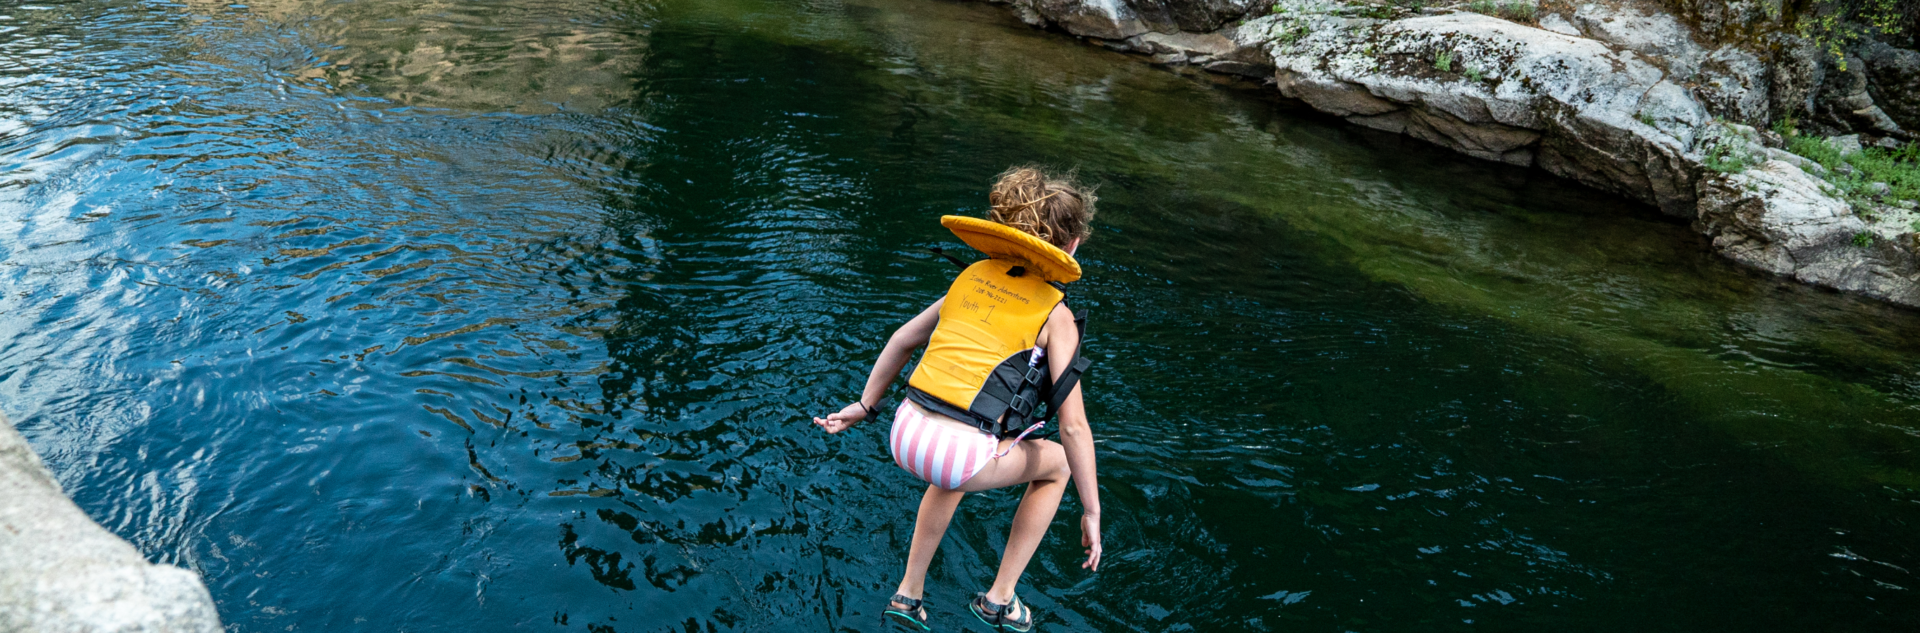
point(1515, 10)
point(1294, 33)
point(1519, 11)
point(1375, 11)
point(1443, 60)
point(1722, 158)
point(1899, 169)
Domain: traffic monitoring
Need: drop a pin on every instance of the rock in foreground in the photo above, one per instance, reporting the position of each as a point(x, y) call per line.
point(62, 573)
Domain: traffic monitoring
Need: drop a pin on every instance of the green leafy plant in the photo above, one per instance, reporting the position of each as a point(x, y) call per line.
point(1643, 118)
point(1473, 73)
point(1443, 60)
point(1899, 169)
point(1515, 10)
point(1837, 25)
point(1519, 11)
point(1787, 127)
point(1293, 33)
point(1724, 159)
point(1863, 239)
point(1896, 168)
point(1910, 153)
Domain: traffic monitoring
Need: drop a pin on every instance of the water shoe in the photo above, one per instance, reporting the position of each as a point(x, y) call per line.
point(913, 617)
point(999, 616)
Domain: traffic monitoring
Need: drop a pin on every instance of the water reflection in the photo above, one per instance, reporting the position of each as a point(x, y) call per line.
point(481, 56)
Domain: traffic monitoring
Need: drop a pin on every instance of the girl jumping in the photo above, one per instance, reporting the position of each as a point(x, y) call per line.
point(1002, 357)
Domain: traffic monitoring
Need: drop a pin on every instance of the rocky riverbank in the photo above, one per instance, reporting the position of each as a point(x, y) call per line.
point(60, 572)
point(1784, 150)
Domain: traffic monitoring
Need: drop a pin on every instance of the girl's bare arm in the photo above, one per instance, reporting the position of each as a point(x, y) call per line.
point(899, 348)
point(1063, 340)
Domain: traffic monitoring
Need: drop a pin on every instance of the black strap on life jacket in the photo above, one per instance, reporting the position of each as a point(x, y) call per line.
point(1071, 377)
point(1014, 393)
point(943, 253)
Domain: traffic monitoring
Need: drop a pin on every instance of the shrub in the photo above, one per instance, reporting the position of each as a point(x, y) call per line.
point(1896, 168)
point(1900, 168)
point(1837, 25)
point(1519, 11)
point(1910, 153)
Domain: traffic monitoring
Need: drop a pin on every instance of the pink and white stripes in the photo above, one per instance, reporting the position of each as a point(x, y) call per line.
point(940, 454)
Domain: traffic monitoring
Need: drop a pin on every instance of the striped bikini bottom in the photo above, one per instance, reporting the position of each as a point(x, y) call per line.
point(937, 453)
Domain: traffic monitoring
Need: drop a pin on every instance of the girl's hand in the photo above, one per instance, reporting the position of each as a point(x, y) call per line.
point(845, 419)
point(1090, 539)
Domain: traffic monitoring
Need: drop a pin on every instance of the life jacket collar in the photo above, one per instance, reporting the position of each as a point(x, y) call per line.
point(1006, 243)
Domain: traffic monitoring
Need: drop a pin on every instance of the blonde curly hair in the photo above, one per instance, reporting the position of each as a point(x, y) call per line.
point(1051, 207)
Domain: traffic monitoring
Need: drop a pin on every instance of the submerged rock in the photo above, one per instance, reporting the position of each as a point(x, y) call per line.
point(62, 573)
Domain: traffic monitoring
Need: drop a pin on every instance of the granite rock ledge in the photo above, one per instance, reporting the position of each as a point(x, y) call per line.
point(62, 573)
point(1648, 99)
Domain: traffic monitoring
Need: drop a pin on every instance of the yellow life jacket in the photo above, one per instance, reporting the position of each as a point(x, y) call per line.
point(979, 365)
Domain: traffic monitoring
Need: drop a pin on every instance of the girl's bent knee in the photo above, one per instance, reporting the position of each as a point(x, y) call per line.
point(1054, 456)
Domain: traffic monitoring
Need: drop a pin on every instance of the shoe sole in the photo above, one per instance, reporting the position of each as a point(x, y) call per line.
point(1000, 627)
point(907, 620)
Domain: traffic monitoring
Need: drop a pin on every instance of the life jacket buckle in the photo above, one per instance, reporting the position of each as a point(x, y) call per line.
point(1033, 376)
point(1023, 404)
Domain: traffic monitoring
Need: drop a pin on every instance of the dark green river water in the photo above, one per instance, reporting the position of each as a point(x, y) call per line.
point(393, 315)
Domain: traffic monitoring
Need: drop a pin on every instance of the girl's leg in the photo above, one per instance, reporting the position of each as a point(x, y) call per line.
point(1042, 465)
point(936, 511)
point(1030, 523)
